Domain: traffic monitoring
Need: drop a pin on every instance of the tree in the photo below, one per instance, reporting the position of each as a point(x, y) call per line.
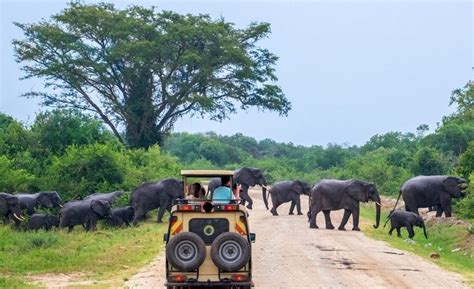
point(428, 161)
point(142, 69)
point(54, 130)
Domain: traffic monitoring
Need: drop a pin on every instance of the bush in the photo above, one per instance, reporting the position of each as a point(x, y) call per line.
point(12, 179)
point(87, 169)
point(465, 207)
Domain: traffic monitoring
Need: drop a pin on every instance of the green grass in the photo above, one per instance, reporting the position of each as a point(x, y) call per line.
point(107, 254)
point(443, 238)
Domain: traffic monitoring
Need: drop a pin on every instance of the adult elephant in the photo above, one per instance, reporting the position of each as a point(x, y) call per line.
point(10, 205)
point(109, 197)
point(151, 196)
point(288, 191)
point(85, 213)
point(431, 191)
point(30, 202)
point(247, 178)
point(329, 195)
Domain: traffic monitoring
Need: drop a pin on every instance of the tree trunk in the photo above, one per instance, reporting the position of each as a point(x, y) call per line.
point(141, 130)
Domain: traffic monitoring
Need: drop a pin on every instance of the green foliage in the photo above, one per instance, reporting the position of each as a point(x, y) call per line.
point(53, 131)
point(99, 255)
point(12, 179)
point(428, 161)
point(466, 161)
point(88, 169)
point(465, 207)
point(143, 69)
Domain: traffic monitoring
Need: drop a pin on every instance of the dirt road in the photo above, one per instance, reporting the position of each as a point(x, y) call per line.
point(288, 254)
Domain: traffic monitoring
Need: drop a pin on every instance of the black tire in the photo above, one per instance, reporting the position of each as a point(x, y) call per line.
point(186, 251)
point(230, 251)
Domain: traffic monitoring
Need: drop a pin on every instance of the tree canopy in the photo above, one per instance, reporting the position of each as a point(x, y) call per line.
point(141, 69)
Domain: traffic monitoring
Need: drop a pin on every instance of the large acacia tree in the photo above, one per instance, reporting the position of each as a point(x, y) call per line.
point(141, 69)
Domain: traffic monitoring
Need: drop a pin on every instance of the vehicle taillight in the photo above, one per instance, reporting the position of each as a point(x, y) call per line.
point(239, 278)
point(189, 208)
point(178, 278)
point(230, 207)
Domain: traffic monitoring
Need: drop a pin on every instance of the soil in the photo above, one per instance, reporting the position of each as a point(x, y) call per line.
point(287, 254)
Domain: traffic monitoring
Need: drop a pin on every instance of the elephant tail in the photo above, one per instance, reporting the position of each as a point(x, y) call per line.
point(394, 208)
point(265, 196)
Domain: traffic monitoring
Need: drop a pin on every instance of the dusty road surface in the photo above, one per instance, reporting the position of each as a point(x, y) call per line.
point(288, 254)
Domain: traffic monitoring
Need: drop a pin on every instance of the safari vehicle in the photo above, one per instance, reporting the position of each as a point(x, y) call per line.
point(208, 243)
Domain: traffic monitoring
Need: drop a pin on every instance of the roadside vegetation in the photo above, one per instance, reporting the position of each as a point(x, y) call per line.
point(451, 239)
point(111, 255)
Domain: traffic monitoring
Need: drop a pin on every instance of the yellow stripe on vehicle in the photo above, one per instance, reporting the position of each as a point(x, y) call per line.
point(240, 228)
point(176, 227)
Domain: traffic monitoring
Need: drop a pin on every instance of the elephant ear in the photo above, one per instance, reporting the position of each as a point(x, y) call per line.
point(45, 200)
point(450, 184)
point(245, 176)
point(99, 207)
point(3, 204)
point(297, 187)
point(356, 191)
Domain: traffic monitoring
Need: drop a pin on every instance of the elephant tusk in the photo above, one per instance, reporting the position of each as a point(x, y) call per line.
point(61, 206)
point(266, 188)
point(18, 218)
point(379, 204)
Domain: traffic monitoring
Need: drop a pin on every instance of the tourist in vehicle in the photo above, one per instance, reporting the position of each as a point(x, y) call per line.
point(195, 192)
point(224, 194)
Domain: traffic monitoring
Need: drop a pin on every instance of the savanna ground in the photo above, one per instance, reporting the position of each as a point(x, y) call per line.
point(286, 255)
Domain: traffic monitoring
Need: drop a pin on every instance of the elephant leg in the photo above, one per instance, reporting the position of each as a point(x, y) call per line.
point(244, 196)
point(355, 219)
point(298, 206)
point(292, 208)
point(391, 230)
point(345, 218)
point(411, 208)
point(439, 211)
point(399, 234)
point(411, 232)
point(69, 229)
point(327, 218)
point(274, 209)
point(312, 220)
point(161, 212)
point(446, 206)
point(138, 216)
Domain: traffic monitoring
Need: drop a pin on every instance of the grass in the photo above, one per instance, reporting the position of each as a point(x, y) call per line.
point(454, 243)
point(107, 254)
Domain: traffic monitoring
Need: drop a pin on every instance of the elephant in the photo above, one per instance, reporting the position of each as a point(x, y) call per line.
point(109, 197)
point(399, 218)
point(431, 191)
point(29, 202)
point(246, 177)
point(42, 221)
point(329, 195)
point(84, 212)
point(150, 196)
point(10, 205)
point(288, 191)
point(121, 216)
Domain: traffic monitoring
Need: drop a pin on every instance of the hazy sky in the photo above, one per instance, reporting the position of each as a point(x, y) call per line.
point(350, 69)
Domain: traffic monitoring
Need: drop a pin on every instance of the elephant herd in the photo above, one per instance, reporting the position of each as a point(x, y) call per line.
point(433, 192)
point(88, 211)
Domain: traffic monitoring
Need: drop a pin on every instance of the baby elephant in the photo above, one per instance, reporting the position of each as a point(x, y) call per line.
point(43, 221)
point(121, 216)
point(399, 218)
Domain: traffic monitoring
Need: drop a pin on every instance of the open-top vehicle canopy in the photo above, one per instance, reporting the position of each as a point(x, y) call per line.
point(206, 173)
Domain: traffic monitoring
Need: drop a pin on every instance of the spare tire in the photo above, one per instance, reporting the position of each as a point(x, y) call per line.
point(186, 251)
point(230, 251)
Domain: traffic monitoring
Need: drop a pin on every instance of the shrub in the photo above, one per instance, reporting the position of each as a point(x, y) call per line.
point(12, 179)
point(465, 207)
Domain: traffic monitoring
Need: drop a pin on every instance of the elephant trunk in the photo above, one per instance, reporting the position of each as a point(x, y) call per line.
point(424, 231)
point(265, 196)
point(377, 212)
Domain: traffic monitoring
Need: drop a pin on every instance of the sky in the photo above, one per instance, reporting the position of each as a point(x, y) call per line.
point(350, 69)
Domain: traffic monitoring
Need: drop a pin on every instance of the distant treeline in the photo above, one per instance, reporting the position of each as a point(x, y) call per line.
point(74, 154)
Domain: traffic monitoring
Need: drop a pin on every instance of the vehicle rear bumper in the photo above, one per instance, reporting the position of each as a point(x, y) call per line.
point(208, 284)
